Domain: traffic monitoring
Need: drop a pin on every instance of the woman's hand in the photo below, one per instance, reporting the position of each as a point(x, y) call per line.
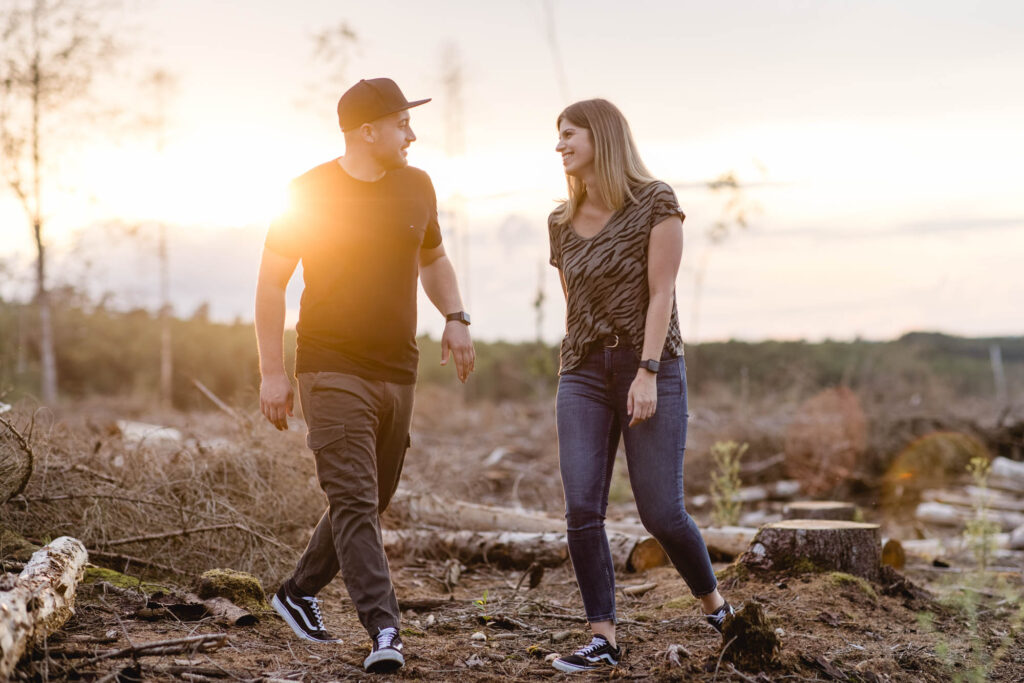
point(643, 397)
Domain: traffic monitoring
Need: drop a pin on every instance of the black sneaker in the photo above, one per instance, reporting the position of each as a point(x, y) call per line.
point(387, 652)
point(717, 618)
point(597, 654)
point(302, 613)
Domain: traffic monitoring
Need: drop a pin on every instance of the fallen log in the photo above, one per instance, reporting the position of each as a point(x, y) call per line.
point(972, 497)
point(942, 514)
point(516, 550)
point(929, 549)
point(429, 510)
point(506, 549)
point(809, 544)
point(41, 599)
point(819, 509)
point(1008, 472)
point(784, 489)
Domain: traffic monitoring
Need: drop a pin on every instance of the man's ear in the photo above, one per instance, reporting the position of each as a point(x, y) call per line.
point(368, 132)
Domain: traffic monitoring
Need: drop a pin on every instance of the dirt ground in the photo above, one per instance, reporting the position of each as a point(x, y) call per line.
point(938, 624)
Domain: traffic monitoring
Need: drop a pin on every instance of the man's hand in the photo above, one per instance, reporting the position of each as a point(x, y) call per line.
point(643, 397)
point(276, 399)
point(457, 341)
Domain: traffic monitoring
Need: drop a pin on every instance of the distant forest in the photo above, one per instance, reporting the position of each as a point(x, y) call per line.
point(103, 352)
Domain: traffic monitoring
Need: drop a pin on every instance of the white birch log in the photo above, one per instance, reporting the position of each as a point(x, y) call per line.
point(41, 599)
point(972, 496)
point(1007, 474)
point(942, 514)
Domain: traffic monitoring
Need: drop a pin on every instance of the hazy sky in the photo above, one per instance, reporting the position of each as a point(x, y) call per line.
point(881, 144)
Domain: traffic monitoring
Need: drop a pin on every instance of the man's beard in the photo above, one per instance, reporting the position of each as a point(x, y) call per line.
point(393, 161)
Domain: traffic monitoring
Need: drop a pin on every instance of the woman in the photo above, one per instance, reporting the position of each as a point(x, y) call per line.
point(617, 243)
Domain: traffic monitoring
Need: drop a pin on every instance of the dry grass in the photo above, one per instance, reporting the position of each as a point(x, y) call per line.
point(244, 500)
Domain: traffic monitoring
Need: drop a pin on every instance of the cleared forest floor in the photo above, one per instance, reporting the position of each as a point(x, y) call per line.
point(489, 624)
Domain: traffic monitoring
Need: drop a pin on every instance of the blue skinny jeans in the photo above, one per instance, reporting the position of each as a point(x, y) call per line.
point(591, 415)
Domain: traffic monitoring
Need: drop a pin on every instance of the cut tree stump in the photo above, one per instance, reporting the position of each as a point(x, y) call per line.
point(808, 544)
point(40, 600)
point(820, 509)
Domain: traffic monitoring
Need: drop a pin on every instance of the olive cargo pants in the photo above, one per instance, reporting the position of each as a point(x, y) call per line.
point(358, 430)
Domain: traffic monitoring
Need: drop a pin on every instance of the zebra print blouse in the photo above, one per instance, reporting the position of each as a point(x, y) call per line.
point(606, 276)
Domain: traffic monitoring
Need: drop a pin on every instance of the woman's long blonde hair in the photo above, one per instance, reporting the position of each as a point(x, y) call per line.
point(619, 168)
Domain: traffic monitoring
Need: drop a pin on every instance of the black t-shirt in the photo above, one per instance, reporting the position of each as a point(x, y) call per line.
point(360, 244)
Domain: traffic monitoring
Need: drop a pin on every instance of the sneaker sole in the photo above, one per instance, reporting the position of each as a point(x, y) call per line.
point(384, 661)
point(565, 667)
point(275, 602)
point(571, 669)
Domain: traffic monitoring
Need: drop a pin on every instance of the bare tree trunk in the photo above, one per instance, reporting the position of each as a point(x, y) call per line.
point(46, 346)
point(166, 367)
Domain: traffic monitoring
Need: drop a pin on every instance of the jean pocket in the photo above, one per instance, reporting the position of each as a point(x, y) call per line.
point(321, 437)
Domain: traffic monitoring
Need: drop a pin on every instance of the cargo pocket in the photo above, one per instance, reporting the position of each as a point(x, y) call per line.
point(321, 437)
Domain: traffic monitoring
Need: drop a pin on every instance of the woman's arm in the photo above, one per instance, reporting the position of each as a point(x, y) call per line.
point(664, 254)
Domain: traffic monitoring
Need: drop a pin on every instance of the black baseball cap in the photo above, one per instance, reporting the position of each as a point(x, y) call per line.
point(370, 99)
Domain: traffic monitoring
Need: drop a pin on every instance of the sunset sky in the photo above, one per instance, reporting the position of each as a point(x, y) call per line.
point(881, 144)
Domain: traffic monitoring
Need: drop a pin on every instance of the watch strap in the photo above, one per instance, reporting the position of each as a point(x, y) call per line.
point(458, 317)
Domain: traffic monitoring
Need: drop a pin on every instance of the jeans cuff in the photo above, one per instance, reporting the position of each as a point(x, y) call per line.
point(701, 595)
point(609, 617)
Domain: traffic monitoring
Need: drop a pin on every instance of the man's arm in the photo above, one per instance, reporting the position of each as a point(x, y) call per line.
point(276, 393)
point(442, 288)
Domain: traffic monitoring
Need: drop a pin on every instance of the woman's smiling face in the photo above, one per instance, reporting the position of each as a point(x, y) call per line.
point(576, 147)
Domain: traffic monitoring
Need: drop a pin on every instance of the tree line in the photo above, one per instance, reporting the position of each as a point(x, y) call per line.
point(104, 352)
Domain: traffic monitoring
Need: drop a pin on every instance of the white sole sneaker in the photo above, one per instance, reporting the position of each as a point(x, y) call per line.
point(383, 661)
point(275, 602)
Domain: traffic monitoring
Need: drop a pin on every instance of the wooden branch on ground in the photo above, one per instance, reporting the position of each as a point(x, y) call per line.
point(117, 557)
point(215, 399)
point(42, 599)
point(191, 645)
point(195, 530)
point(15, 481)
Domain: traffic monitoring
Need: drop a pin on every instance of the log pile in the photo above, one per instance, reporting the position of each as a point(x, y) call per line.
point(40, 599)
point(953, 508)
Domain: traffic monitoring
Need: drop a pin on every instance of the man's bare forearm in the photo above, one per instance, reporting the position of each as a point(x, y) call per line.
point(441, 285)
point(270, 313)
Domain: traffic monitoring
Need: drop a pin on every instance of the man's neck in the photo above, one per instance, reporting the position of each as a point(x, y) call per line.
point(361, 167)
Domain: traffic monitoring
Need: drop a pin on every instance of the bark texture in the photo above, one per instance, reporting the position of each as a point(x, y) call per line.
point(799, 544)
point(40, 600)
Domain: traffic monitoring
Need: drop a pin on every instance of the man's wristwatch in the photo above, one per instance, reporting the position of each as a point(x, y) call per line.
point(650, 365)
point(458, 317)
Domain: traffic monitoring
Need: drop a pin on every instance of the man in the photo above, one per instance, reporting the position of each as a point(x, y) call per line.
point(365, 227)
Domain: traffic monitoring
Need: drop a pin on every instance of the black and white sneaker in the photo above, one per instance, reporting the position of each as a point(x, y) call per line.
point(387, 652)
point(302, 613)
point(599, 653)
point(717, 618)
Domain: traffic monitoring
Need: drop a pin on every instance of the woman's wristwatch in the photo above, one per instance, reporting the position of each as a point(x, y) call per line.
point(458, 317)
point(650, 365)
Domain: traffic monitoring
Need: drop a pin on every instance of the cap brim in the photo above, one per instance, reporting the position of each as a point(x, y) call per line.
point(409, 105)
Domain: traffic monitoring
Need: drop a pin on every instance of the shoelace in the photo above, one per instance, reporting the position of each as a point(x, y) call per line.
point(385, 636)
point(314, 604)
point(595, 644)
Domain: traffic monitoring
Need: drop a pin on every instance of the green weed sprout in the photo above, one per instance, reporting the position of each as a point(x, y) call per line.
point(725, 482)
